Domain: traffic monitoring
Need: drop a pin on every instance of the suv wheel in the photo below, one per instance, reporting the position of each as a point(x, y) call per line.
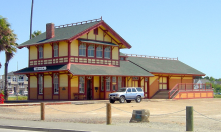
point(128, 101)
point(122, 99)
point(138, 99)
point(112, 101)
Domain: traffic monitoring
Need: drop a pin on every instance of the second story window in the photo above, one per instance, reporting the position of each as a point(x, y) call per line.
point(82, 50)
point(14, 79)
point(21, 79)
point(55, 49)
point(40, 84)
point(91, 51)
point(40, 52)
point(99, 52)
point(107, 52)
point(9, 77)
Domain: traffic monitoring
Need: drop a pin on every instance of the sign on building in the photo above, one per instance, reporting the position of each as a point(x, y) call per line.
point(39, 68)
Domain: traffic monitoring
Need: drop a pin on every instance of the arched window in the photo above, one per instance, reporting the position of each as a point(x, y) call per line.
point(55, 81)
point(82, 50)
point(91, 51)
point(55, 48)
point(40, 52)
point(107, 52)
point(99, 52)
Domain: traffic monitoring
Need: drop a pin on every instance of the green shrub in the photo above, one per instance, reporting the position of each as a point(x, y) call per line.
point(19, 98)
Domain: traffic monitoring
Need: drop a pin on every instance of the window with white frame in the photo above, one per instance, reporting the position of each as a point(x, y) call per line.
point(102, 83)
point(91, 51)
point(107, 83)
point(21, 78)
point(99, 51)
point(55, 48)
point(81, 85)
point(40, 84)
point(9, 77)
point(107, 52)
point(119, 82)
point(14, 79)
point(55, 81)
point(40, 52)
point(82, 49)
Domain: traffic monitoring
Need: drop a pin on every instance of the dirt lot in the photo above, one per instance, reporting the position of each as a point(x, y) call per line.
point(164, 114)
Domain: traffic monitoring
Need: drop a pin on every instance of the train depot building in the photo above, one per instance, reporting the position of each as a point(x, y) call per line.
point(83, 61)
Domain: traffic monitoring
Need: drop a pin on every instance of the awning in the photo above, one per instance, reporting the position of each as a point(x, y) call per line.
point(29, 70)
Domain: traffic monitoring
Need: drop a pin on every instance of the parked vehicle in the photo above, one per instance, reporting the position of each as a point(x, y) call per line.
point(25, 93)
point(127, 94)
point(10, 93)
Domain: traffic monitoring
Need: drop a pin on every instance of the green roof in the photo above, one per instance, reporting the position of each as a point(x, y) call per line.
point(48, 69)
point(97, 42)
point(60, 34)
point(126, 69)
point(164, 66)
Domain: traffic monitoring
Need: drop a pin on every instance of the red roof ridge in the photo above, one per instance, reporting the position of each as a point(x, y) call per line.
point(79, 23)
point(153, 57)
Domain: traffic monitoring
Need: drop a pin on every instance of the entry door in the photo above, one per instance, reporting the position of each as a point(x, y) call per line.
point(163, 83)
point(89, 89)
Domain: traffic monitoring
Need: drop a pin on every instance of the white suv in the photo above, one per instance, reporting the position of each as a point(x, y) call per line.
point(128, 94)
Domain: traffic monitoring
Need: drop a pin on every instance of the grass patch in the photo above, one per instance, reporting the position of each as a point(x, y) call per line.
point(19, 98)
point(217, 96)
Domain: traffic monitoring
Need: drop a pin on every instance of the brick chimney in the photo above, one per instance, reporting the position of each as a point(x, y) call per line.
point(49, 30)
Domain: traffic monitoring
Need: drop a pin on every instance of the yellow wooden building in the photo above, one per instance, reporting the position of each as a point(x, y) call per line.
point(83, 61)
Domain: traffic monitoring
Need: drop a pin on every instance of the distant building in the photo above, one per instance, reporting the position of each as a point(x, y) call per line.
point(15, 83)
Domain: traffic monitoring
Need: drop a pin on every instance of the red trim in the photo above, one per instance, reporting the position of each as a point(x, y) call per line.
point(177, 74)
point(92, 88)
point(69, 87)
point(29, 88)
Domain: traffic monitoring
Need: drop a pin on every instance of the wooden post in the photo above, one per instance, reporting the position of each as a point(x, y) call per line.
point(42, 111)
point(189, 118)
point(108, 114)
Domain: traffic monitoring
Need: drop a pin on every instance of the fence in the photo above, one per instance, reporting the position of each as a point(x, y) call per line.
point(98, 114)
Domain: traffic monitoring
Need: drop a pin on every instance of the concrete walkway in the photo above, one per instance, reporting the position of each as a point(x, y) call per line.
point(69, 127)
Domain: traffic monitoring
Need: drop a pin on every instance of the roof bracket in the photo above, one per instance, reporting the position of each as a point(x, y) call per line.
point(129, 78)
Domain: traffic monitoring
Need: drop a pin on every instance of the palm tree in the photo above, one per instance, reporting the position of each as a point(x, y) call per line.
point(7, 44)
point(35, 33)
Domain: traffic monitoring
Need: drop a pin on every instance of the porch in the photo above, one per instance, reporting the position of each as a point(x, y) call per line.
point(190, 91)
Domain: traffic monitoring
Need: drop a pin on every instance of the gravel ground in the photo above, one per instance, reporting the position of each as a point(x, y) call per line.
point(164, 114)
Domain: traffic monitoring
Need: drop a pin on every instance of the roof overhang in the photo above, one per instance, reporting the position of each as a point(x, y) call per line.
point(97, 42)
point(180, 74)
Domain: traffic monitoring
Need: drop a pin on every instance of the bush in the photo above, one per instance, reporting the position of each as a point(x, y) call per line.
point(19, 98)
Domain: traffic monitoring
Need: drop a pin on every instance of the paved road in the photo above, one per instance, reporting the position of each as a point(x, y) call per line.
point(13, 130)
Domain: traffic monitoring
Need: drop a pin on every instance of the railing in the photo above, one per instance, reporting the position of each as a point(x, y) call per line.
point(153, 57)
point(180, 87)
point(79, 23)
point(98, 61)
point(20, 80)
point(48, 61)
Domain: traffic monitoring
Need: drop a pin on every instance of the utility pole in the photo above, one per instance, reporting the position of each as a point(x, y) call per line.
point(31, 18)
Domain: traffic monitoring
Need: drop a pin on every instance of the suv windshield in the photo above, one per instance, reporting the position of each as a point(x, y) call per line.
point(121, 90)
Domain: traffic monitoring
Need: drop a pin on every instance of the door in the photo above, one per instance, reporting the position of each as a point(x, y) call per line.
point(128, 94)
point(163, 83)
point(89, 89)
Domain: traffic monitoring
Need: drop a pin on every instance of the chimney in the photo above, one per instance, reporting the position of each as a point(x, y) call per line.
point(49, 30)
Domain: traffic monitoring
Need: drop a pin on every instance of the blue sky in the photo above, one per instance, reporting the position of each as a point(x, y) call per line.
point(187, 29)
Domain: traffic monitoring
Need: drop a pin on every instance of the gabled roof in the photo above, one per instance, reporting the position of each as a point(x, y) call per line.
point(164, 66)
point(126, 69)
point(71, 33)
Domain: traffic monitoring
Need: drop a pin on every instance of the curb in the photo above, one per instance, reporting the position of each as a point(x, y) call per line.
point(39, 129)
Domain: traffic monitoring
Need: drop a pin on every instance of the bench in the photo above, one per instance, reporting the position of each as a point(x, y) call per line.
point(78, 95)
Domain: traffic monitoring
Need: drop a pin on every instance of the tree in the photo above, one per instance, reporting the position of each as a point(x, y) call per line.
point(206, 77)
point(212, 79)
point(35, 33)
point(8, 45)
